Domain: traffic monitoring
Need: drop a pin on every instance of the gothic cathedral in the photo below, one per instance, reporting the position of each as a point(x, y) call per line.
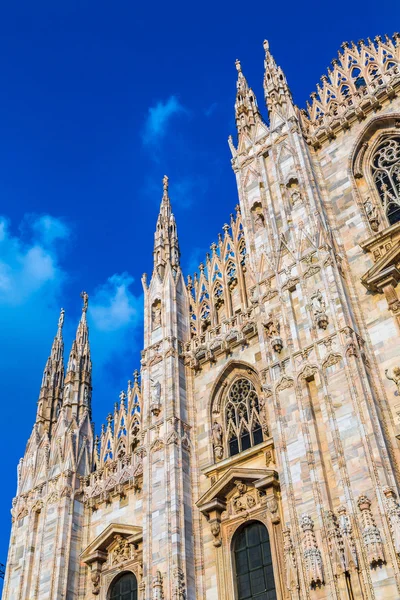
point(256, 453)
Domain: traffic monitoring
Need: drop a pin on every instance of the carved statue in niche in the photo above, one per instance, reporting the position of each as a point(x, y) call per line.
point(395, 377)
point(155, 405)
point(293, 189)
point(258, 217)
point(272, 329)
point(217, 440)
point(156, 314)
point(318, 307)
point(372, 214)
point(258, 221)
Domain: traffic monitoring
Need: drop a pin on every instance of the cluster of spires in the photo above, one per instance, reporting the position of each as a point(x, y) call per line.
point(70, 390)
point(123, 426)
point(276, 90)
point(74, 389)
point(278, 97)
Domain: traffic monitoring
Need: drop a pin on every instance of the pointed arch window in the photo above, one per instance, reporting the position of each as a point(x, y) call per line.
point(242, 417)
point(385, 165)
point(253, 563)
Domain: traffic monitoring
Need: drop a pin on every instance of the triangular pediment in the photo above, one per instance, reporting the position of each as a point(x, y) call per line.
point(219, 491)
point(385, 271)
point(99, 546)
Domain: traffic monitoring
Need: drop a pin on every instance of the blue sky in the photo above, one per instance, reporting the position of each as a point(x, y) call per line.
point(97, 101)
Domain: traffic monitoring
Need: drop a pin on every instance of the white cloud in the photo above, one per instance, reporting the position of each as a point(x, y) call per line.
point(113, 306)
point(30, 263)
point(115, 317)
point(158, 118)
point(50, 229)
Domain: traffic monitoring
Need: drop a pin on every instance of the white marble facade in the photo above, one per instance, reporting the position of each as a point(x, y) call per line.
point(269, 386)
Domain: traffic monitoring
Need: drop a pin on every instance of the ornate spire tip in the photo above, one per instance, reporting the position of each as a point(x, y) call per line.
point(266, 45)
point(238, 65)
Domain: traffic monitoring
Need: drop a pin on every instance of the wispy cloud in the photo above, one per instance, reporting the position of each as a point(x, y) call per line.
point(158, 119)
point(186, 190)
point(116, 316)
point(211, 109)
point(196, 256)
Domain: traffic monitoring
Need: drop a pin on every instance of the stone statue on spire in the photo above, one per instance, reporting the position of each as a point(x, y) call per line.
point(61, 319)
point(165, 184)
point(85, 298)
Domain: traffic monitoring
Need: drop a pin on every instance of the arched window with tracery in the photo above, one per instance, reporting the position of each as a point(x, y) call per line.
point(124, 588)
point(385, 165)
point(242, 417)
point(254, 576)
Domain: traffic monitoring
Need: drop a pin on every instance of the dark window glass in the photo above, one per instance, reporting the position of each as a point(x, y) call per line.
point(253, 564)
point(124, 588)
point(257, 435)
point(245, 439)
point(233, 446)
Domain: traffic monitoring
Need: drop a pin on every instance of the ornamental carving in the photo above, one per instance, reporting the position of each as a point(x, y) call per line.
point(349, 546)
point(292, 576)
point(179, 588)
point(158, 591)
point(394, 376)
point(370, 533)
point(121, 551)
point(393, 512)
point(311, 553)
point(215, 527)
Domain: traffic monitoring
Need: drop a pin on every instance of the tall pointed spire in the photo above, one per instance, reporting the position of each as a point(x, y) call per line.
point(277, 94)
point(78, 380)
point(166, 246)
point(247, 114)
point(50, 396)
